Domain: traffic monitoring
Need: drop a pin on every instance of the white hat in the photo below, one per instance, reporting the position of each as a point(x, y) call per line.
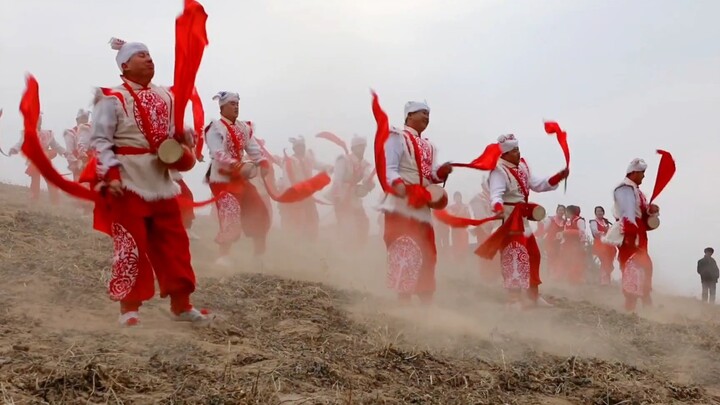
point(82, 114)
point(637, 165)
point(126, 50)
point(300, 140)
point(357, 141)
point(225, 97)
point(415, 106)
point(507, 143)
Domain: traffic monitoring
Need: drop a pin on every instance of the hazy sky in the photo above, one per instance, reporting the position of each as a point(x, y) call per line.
point(622, 77)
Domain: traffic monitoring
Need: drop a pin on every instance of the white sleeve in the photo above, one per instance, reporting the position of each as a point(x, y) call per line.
point(253, 150)
point(338, 175)
point(498, 186)
point(625, 200)
point(394, 149)
point(540, 184)
point(19, 143)
point(70, 145)
point(103, 133)
point(581, 225)
point(594, 228)
point(55, 145)
point(435, 166)
point(216, 145)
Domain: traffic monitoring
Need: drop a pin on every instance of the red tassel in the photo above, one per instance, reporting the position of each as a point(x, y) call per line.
point(459, 222)
point(486, 161)
point(666, 171)
point(334, 139)
point(299, 191)
point(190, 42)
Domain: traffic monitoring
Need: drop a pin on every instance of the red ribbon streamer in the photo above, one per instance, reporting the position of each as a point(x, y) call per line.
point(552, 127)
point(198, 122)
point(334, 139)
point(31, 147)
point(666, 171)
point(298, 191)
point(486, 161)
point(190, 42)
point(381, 136)
point(459, 222)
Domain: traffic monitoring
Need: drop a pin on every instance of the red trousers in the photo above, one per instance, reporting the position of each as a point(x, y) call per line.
point(573, 261)
point(412, 256)
point(520, 264)
point(187, 213)
point(35, 188)
point(637, 272)
point(606, 254)
point(240, 210)
point(149, 242)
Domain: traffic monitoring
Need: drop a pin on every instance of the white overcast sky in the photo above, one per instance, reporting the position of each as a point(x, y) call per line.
point(622, 77)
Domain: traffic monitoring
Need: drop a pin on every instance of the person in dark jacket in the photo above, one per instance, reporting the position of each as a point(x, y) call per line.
point(709, 273)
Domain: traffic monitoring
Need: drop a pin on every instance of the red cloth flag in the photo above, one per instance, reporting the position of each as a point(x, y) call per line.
point(666, 171)
point(190, 42)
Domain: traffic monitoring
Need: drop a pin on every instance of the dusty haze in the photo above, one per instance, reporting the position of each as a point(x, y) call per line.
point(623, 78)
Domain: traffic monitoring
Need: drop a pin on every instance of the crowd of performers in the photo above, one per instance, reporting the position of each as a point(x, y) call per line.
point(127, 165)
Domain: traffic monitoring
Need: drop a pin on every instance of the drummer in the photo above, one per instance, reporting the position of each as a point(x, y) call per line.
point(636, 218)
point(408, 231)
point(143, 214)
point(352, 180)
point(510, 184)
point(239, 206)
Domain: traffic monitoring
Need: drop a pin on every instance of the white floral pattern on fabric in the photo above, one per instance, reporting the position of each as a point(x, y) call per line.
point(515, 261)
point(158, 114)
point(633, 278)
point(404, 263)
point(426, 158)
point(126, 263)
point(229, 217)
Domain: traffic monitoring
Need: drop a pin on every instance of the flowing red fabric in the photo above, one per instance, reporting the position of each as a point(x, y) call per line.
point(513, 224)
point(486, 161)
point(459, 222)
point(267, 153)
point(381, 136)
point(666, 171)
point(31, 147)
point(334, 139)
point(198, 113)
point(417, 195)
point(89, 173)
point(552, 127)
point(298, 191)
point(190, 42)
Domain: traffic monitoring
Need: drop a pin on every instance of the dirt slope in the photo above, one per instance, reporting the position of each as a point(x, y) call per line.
point(312, 326)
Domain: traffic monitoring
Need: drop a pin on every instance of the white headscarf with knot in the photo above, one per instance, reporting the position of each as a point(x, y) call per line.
point(507, 143)
point(637, 165)
point(357, 141)
point(415, 106)
point(225, 97)
point(126, 50)
point(82, 114)
point(299, 140)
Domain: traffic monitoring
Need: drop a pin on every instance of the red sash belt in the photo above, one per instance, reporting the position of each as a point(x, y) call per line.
point(131, 150)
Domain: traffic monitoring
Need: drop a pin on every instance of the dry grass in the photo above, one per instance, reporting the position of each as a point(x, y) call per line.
point(282, 340)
